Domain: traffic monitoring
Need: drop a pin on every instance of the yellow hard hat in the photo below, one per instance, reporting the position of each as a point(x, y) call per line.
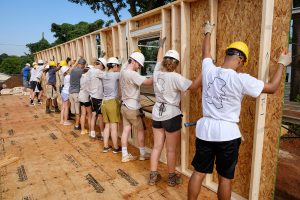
point(241, 46)
point(52, 64)
point(137, 50)
point(63, 63)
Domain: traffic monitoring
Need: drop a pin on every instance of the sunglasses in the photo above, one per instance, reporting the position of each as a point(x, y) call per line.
point(233, 52)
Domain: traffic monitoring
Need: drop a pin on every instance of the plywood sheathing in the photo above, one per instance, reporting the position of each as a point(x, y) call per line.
point(147, 22)
point(109, 43)
point(280, 35)
point(57, 168)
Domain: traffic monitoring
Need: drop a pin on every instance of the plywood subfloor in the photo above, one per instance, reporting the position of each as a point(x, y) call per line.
point(59, 163)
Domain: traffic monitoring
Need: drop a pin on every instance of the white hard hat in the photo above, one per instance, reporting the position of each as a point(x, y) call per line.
point(113, 60)
point(47, 67)
point(40, 62)
point(64, 69)
point(172, 54)
point(139, 57)
point(27, 64)
point(102, 60)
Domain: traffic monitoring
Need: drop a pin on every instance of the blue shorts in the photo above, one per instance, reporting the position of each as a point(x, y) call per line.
point(64, 97)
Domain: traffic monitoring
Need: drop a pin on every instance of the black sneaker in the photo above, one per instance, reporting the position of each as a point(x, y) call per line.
point(31, 103)
point(56, 109)
point(118, 150)
point(48, 110)
point(106, 149)
point(39, 102)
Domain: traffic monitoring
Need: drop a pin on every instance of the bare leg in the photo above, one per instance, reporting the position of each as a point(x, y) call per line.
point(106, 134)
point(224, 189)
point(101, 123)
point(82, 118)
point(125, 134)
point(141, 138)
point(114, 134)
point(89, 116)
point(195, 184)
point(159, 140)
point(171, 144)
point(93, 121)
point(77, 119)
point(66, 111)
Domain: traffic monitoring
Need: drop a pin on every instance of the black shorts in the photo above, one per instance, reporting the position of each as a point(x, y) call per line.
point(85, 104)
point(170, 125)
point(34, 84)
point(96, 105)
point(225, 154)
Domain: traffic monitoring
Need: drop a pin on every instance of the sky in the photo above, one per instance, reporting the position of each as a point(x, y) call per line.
point(23, 21)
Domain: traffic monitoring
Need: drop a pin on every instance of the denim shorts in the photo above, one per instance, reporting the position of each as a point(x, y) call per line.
point(64, 97)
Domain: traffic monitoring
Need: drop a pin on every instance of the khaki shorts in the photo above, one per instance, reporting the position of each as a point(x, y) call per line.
point(131, 117)
point(111, 111)
point(75, 104)
point(51, 92)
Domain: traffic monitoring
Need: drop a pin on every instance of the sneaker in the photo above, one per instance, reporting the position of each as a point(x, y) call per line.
point(48, 110)
point(174, 179)
point(31, 103)
point(67, 123)
point(128, 158)
point(117, 150)
point(56, 110)
point(77, 127)
point(83, 132)
point(154, 177)
point(93, 134)
point(106, 149)
point(100, 137)
point(145, 157)
point(39, 102)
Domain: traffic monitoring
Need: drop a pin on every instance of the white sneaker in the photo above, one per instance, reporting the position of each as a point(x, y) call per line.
point(93, 134)
point(145, 157)
point(128, 158)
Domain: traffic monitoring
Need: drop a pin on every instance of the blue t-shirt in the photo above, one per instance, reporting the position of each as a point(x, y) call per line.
point(25, 72)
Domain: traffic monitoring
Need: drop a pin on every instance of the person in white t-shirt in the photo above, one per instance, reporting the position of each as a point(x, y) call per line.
point(85, 104)
point(130, 82)
point(166, 114)
point(36, 77)
point(218, 135)
point(65, 97)
point(111, 104)
point(95, 88)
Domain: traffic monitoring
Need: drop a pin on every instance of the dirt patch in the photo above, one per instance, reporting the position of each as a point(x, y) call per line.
point(288, 175)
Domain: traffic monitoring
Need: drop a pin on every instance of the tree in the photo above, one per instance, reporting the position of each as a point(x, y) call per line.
point(113, 7)
point(38, 46)
point(2, 57)
point(66, 32)
point(11, 65)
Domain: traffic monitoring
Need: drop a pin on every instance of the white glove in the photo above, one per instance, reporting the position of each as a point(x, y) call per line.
point(285, 59)
point(208, 27)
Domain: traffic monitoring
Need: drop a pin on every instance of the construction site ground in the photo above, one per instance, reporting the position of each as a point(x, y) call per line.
point(56, 162)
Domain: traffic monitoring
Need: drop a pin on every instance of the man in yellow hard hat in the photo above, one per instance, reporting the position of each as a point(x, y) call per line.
point(217, 133)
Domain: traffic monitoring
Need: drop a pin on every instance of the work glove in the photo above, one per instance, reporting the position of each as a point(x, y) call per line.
point(161, 42)
point(208, 27)
point(285, 58)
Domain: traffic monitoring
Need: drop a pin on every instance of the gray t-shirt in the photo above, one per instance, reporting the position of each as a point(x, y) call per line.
point(130, 82)
point(110, 85)
point(75, 76)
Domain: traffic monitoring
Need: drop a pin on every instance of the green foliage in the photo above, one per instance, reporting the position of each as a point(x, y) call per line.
point(2, 57)
point(66, 32)
point(113, 7)
point(297, 99)
point(14, 64)
point(38, 46)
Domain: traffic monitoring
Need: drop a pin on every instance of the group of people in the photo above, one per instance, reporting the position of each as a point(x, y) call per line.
point(92, 92)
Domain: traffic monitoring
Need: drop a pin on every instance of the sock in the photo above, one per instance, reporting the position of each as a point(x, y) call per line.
point(93, 134)
point(124, 151)
point(142, 150)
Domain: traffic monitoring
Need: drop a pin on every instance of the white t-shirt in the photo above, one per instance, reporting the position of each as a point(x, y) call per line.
point(110, 85)
point(66, 84)
point(222, 94)
point(130, 82)
point(167, 88)
point(39, 72)
point(33, 75)
point(95, 86)
point(83, 95)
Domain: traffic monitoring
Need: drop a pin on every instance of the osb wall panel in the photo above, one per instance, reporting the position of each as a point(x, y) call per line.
point(109, 43)
point(149, 21)
point(199, 13)
point(282, 16)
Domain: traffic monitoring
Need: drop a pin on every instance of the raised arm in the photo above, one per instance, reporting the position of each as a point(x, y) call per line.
point(160, 50)
point(208, 28)
point(284, 60)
